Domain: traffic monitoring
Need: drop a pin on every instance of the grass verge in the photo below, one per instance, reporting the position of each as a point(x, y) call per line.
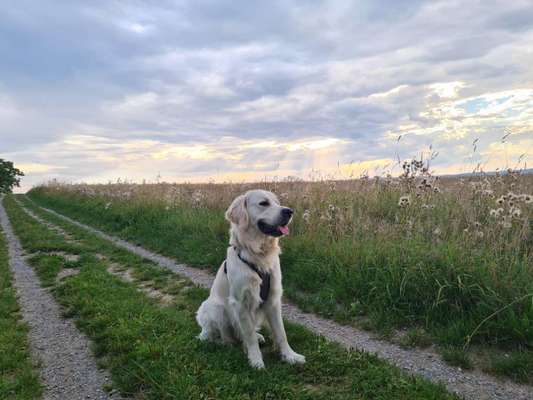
point(152, 350)
point(18, 378)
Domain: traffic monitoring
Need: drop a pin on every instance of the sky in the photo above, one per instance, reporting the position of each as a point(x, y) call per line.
point(240, 90)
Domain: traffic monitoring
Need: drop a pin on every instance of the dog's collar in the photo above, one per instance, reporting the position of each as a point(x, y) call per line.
point(264, 289)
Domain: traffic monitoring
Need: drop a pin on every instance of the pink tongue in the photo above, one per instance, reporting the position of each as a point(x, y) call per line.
point(284, 229)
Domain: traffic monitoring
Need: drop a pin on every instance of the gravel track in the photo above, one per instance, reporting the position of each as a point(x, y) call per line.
point(67, 368)
point(473, 385)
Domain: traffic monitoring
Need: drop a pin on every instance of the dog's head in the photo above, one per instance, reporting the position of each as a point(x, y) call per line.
point(260, 209)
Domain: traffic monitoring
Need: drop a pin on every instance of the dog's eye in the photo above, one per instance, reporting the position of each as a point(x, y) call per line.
point(264, 203)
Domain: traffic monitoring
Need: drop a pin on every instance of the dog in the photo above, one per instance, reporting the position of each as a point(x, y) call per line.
point(246, 293)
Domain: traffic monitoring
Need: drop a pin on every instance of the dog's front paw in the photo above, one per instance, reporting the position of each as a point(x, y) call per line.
point(256, 363)
point(293, 358)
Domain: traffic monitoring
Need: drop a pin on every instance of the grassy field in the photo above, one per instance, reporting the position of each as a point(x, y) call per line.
point(450, 260)
point(18, 378)
point(151, 348)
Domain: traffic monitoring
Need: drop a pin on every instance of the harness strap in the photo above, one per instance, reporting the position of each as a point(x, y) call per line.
point(264, 289)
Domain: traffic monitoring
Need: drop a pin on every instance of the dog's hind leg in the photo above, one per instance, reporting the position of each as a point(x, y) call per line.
point(204, 317)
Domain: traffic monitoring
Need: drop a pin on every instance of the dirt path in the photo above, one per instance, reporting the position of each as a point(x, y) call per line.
point(67, 368)
point(473, 385)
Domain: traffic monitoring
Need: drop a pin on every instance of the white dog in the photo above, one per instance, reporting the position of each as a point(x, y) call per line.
point(247, 288)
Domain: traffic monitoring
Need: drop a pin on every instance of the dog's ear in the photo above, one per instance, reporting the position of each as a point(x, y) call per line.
point(237, 212)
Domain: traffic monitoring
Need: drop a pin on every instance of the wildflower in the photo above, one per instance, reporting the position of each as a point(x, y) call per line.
point(515, 212)
point(428, 206)
point(500, 200)
point(479, 234)
point(527, 198)
point(493, 213)
point(436, 189)
point(107, 205)
point(437, 231)
point(167, 208)
point(284, 195)
point(404, 201)
point(306, 216)
point(477, 224)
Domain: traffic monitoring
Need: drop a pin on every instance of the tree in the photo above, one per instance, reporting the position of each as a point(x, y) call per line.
point(9, 176)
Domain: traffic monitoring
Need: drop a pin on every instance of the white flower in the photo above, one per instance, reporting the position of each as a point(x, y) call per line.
point(527, 198)
point(306, 216)
point(500, 200)
point(107, 205)
point(479, 234)
point(493, 213)
point(437, 231)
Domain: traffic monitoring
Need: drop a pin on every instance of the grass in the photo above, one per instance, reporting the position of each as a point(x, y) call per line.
point(458, 358)
point(444, 263)
point(517, 365)
point(152, 351)
point(18, 378)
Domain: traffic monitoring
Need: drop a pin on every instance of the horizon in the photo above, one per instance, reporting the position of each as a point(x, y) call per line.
point(235, 91)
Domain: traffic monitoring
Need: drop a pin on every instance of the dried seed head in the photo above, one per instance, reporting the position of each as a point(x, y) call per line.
point(515, 212)
point(404, 201)
point(507, 224)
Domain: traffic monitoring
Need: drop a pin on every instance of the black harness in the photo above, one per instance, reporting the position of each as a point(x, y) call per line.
point(264, 289)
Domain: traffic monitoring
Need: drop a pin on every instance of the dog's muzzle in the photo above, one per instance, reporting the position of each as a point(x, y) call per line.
point(281, 228)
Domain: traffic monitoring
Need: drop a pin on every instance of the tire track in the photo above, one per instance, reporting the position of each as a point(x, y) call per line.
point(473, 385)
point(67, 368)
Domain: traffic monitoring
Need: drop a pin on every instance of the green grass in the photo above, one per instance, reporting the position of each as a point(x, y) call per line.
point(370, 270)
point(152, 350)
point(457, 357)
point(18, 378)
point(517, 365)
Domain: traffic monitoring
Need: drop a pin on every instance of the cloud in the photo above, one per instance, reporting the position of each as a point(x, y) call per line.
point(199, 90)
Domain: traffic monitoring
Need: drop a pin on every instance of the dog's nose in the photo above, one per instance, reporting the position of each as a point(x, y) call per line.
point(287, 212)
